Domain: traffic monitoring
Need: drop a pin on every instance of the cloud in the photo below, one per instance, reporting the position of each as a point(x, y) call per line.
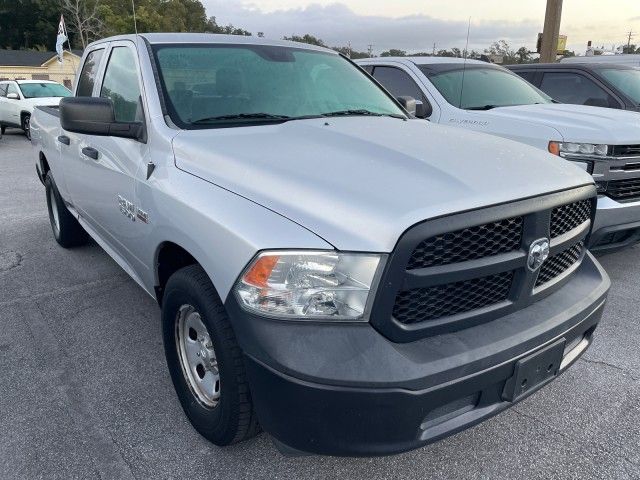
point(338, 25)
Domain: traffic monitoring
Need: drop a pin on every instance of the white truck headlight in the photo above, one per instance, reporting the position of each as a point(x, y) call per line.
point(571, 148)
point(310, 285)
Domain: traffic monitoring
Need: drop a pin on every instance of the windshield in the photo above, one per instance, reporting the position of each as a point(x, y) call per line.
point(207, 86)
point(39, 90)
point(485, 88)
point(627, 81)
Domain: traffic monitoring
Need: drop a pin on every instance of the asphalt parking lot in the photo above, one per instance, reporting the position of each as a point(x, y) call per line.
point(84, 391)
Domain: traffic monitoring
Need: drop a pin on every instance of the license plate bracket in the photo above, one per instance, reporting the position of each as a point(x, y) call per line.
point(534, 371)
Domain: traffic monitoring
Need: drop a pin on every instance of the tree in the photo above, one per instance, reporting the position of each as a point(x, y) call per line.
point(213, 27)
point(523, 55)
point(394, 52)
point(83, 18)
point(502, 48)
point(306, 38)
point(349, 52)
point(630, 49)
point(27, 24)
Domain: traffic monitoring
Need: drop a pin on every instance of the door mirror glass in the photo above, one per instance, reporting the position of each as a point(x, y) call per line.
point(408, 103)
point(13, 96)
point(95, 116)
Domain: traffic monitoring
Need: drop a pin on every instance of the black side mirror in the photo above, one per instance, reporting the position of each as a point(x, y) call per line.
point(423, 110)
point(95, 116)
point(408, 103)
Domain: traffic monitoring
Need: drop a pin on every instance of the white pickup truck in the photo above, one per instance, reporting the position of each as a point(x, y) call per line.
point(327, 267)
point(488, 98)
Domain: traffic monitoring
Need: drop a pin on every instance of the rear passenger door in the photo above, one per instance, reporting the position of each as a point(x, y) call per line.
point(577, 88)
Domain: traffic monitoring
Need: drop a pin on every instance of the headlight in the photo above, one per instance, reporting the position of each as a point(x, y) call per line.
point(570, 149)
point(310, 285)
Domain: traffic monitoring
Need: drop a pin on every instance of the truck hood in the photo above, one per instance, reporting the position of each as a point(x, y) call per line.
point(579, 123)
point(360, 182)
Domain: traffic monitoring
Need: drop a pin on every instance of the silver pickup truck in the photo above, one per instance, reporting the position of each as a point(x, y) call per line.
point(351, 279)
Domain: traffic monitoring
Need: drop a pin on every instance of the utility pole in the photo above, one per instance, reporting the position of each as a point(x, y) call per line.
point(434, 49)
point(629, 37)
point(551, 32)
point(370, 50)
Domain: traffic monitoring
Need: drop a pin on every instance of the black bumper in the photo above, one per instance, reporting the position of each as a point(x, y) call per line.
point(348, 390)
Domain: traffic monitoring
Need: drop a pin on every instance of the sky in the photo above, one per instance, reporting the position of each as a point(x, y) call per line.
point(415, 25)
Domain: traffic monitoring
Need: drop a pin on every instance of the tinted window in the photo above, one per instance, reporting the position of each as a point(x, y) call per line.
point(121, 85)
point(3, 89)
point(528, 76)
point(577, 89)
point(88, 75)
point(398, 83)
point(627, 81)
point(205, 85)
point(485, 88)
point(41, 90)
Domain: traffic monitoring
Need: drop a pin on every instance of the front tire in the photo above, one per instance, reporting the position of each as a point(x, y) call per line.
point(204, 359)
point(66, 229)
point(26, 125)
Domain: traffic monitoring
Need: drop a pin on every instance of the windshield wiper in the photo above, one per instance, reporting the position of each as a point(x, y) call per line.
point(360, 111)
point(242, 116)
point(483, 107)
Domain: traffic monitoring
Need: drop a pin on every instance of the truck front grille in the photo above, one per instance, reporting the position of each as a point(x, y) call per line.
point(421, 304)
point(559, 263)
point(624, 190)
point(626, 151)
point(457, 275)
point(567, 217)
point(468, 244)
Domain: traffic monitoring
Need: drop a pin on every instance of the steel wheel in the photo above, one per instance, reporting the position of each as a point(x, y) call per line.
point(197, 356)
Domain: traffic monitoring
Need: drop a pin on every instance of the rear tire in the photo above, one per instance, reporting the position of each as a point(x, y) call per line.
point(2, 129)
point(66, 229)
point(26, 125)
point(224, 415)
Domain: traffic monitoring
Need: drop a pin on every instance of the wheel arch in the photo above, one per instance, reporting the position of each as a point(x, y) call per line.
point(169, 258)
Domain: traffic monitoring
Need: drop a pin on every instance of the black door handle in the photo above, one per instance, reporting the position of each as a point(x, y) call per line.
point(64, 139)
point(90, 152)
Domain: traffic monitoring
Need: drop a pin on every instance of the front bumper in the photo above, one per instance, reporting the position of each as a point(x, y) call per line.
point(617, 225)
point(345, 389)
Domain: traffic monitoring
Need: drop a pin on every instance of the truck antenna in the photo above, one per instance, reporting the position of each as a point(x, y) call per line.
point(135, 23)
point(464, 65)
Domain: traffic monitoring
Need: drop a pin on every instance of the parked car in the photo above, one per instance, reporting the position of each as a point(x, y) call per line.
point(489, 98)
point(595, 84)
point(355, 281)
point(630, 59)
point(18, 98)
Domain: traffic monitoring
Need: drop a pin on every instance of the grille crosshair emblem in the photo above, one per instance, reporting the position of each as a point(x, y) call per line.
point(538, 253)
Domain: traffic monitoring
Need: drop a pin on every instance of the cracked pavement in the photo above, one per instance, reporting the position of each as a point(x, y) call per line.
point(84, 391)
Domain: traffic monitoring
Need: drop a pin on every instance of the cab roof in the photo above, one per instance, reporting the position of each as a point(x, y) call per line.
point(213, 38)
